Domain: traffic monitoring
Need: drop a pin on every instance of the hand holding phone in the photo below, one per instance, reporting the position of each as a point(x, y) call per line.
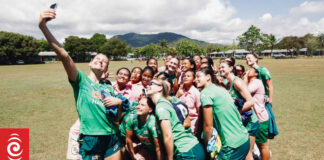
point(53, 6)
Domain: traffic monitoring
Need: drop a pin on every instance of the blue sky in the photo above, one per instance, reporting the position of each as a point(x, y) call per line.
point(215, 21)
point(256, 8)
point(248, 9)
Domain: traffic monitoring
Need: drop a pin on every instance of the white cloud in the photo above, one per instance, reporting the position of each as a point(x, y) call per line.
point(266, 16)
point(308, 8)
point(300, 21)
point(208, 20)
point(193, 18)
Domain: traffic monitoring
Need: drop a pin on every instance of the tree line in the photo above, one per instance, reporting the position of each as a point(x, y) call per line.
point(14, 46)
point(254, 40)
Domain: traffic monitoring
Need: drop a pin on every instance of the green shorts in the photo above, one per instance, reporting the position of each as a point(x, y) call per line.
point(252, 128)
point(195, 153)
point(98, 147)
point(262, 135)
point(239, 153)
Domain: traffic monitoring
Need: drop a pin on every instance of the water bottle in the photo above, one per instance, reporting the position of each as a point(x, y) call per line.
point(112, 110)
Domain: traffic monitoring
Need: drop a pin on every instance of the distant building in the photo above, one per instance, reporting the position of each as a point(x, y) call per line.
point(237, 53)
point(216, 55)
point(50, 56)
point(285, 52)
point(130, 56)
point(303, 52)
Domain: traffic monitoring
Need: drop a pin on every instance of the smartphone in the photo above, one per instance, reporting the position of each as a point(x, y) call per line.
point(144, 91)
point(53, 6)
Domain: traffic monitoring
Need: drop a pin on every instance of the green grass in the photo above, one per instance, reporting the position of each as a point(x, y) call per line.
point(40, 98)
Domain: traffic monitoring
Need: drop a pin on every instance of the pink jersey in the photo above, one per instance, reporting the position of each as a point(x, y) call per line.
point(136, 92)
point(192, 100)
point(163, 68)
point(257, 91)
point(125, 92)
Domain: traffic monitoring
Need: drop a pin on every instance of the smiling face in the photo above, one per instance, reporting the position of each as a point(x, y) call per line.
point(168, 58)
point(99, 63)
point(136, 75)
point(147, 76)
point(153, 63)
point(225, 69)
point(197, 60)
point(204, 60)
point(250, 60)
point(143, 108)
point(122, 77)
point(202, 79)
point(188, 78)
point(154, 87)
point(186, 65)
point(173, 65)
point(239, 71)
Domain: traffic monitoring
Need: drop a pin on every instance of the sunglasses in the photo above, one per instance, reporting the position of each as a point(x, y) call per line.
point(152, 83)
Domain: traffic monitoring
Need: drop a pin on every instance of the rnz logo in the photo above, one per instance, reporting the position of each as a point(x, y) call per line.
point(14, 147)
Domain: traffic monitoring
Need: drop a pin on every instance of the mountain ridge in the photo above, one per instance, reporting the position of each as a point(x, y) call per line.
point(139, 40)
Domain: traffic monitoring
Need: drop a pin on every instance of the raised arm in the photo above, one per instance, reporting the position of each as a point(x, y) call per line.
point(242, 88)
point(67, 61)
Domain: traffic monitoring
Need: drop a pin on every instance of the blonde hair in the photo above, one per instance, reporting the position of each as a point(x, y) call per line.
point(165, 89)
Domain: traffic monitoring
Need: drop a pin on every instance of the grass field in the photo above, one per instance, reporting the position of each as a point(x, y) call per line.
point(40, 98)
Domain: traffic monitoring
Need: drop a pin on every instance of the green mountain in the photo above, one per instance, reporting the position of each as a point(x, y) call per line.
point(140, 40)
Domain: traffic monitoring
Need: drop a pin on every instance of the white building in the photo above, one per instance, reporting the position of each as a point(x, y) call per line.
point(48, 56)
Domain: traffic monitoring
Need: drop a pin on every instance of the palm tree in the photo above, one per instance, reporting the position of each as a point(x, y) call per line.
point(272, 41)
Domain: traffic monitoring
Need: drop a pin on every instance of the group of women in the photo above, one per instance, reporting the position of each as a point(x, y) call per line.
point(135, 117)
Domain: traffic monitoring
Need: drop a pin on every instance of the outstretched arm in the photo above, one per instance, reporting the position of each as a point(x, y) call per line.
point(67, 61)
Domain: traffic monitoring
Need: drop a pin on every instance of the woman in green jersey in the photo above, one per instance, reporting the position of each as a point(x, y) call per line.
point(238, 90)
point(219, 113)
point(98, 139)
point(143, 125)
point(179, 144)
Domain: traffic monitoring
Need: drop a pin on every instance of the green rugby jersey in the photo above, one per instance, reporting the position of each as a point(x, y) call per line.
point(226, 118)
point(91, 110)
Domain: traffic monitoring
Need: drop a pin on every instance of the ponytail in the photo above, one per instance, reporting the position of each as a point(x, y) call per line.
point(209, 71)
